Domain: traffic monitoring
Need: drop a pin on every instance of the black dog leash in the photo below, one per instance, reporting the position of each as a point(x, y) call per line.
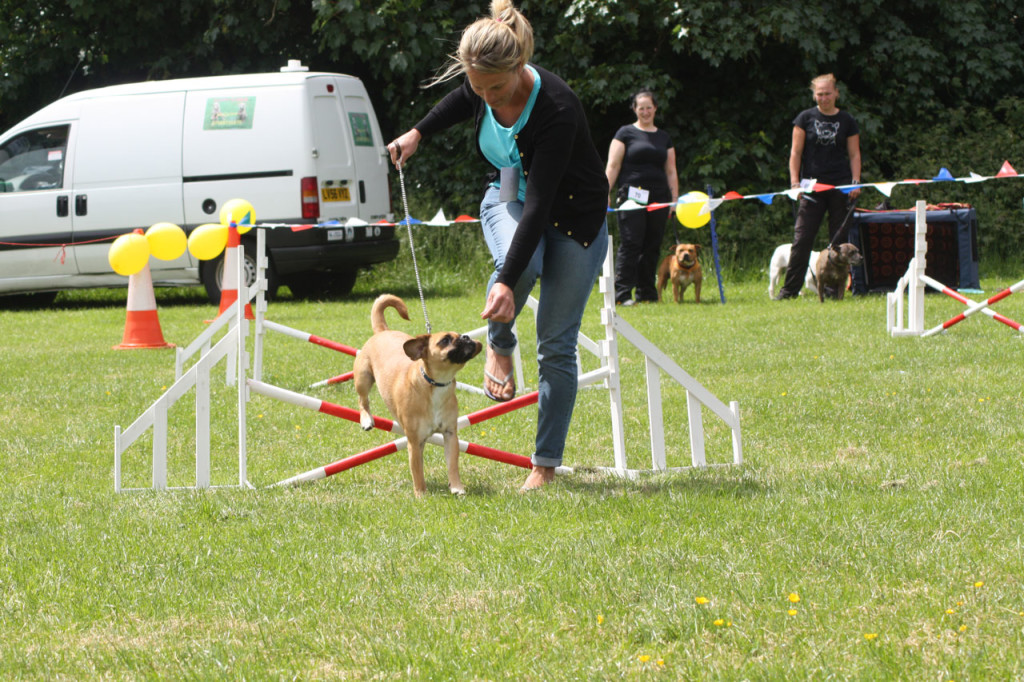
point(844, 226)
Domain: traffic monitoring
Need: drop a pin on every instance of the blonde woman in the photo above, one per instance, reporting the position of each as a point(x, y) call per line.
point(543, 213)
point(826, 147)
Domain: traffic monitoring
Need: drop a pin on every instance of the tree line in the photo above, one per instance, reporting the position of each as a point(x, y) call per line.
point(932, 83)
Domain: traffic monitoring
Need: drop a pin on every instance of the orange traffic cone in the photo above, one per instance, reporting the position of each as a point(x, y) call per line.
point(229, 282)
point(142, 326)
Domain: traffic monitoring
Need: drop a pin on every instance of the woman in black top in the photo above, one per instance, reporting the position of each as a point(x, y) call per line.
point(543, 213)
point(826, 148)
point(643, 161)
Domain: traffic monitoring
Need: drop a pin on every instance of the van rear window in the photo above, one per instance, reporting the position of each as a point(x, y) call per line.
point(362, 134)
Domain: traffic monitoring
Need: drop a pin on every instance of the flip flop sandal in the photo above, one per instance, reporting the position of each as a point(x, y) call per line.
point(503, 384)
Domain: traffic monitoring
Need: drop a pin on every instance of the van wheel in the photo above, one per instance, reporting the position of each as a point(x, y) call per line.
point(323, 284)
point(212, 274)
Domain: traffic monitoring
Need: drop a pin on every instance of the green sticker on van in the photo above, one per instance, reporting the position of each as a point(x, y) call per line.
point(362, 134)
point(229, 113)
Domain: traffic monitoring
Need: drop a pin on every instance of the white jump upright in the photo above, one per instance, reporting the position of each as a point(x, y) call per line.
point(910, 321)
point(656, 363)
point(232, 349)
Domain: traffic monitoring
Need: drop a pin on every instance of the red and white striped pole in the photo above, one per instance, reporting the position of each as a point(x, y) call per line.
point(972, 306)
point(311, 338)
point(389, 425)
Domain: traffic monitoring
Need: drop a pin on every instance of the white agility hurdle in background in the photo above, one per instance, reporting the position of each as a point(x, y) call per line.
point(909, 320)
point(232, 348)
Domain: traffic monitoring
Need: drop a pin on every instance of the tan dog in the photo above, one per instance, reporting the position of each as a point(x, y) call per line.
point(682, 269)
point(416, 378)
point(833, 269)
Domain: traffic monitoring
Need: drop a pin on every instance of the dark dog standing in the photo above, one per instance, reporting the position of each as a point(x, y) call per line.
point(833, 269)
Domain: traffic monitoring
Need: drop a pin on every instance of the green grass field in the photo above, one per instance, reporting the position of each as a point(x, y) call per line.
point(874, 530)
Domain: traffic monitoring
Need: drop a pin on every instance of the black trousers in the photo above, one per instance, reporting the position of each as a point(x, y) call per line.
point(639, 251)
point(808, 221)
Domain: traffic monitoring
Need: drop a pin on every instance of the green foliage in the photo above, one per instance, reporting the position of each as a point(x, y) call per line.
point(730, 76)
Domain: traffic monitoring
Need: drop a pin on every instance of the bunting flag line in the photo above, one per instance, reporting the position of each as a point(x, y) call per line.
point(807, 186)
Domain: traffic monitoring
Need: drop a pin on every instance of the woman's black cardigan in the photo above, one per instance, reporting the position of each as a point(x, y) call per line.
point(566, 186)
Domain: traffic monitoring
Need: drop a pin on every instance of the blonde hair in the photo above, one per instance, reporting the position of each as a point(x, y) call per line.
point(825, 77)
point(500, 43)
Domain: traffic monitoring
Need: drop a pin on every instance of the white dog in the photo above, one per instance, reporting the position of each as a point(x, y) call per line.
point(777, 270)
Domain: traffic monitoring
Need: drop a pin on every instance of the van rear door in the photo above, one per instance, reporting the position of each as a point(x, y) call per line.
point(127, 173)
point(336, 169)
point(371, 189)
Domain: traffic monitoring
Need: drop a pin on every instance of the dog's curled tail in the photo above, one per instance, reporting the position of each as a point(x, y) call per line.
point(383, 302)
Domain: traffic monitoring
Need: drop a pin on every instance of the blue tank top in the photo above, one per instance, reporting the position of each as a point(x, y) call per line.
point(498, 143)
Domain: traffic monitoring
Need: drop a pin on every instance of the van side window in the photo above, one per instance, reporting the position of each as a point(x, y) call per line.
point(34, 160)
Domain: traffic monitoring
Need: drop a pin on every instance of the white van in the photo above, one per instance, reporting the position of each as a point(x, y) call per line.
point(301, 147)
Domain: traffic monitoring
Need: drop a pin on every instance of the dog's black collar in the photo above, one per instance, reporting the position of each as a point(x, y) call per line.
point(431, 381)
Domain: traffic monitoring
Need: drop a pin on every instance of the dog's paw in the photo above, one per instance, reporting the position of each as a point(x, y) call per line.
point(458, 490)
point(366, 421)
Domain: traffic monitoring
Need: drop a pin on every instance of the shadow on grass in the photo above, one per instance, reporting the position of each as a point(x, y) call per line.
point(725, 481)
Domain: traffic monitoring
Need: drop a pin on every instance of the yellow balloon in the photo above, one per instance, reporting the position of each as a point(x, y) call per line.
point(240, 212)
point(688, 210)
point(128, 254)
point(166, 241)
point(208, 241)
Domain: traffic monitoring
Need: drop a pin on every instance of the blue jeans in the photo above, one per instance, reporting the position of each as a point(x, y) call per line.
point(567, 272)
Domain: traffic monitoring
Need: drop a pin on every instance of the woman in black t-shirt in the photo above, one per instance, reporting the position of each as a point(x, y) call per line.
point(826, 148)
point(643, 161)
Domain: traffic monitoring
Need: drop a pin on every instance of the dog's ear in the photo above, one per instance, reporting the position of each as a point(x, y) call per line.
point(697, 247)
point(415, 348)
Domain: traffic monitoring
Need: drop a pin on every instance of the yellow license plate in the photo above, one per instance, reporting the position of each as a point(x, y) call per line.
point(335, 194)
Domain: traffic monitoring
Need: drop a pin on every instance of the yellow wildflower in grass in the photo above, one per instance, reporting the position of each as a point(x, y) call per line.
point(719, 622)
point(980, 583)
point(963, 628)
point(600, 619)
point(661, 662)
point(644, 658)
point(951, 611)
point(871, 636)
point(791, 612)
point(794, 597)
point(702, 600)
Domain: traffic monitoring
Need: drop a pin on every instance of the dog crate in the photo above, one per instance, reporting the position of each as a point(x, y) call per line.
point(886, 240)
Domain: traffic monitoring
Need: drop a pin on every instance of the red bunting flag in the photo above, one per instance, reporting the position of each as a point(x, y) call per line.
point(732, 195)
point(1006, 171)
point(465, 219)
point(821, 187)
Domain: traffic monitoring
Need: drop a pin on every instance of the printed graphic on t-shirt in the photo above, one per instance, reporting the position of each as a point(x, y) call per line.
point(826, 132)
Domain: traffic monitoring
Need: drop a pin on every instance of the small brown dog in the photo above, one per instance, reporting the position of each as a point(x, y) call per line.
point(682, 268)
point(833, 269)
point(416, 378)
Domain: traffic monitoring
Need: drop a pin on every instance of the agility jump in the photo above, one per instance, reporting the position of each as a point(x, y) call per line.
point(232, 349)
point(909, 321)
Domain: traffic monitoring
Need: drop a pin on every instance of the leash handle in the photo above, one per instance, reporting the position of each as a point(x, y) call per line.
point(412, 247)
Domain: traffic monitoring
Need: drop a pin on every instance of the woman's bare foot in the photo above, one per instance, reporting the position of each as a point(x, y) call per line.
point(538, 478)
point(499, 382)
